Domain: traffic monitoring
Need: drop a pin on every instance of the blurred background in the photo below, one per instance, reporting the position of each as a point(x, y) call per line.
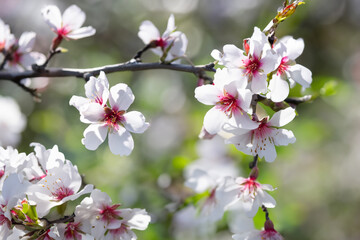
point(317, 178)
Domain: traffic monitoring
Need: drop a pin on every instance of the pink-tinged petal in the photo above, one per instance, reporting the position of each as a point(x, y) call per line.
point(282, 117)
point(267, 150)
point(148, 32)
point(28, 59)
point(94, 135)
point(92, 112)
point(121, 142)
point(87, 189)
point(301, 75)
point(213, 120)
point(243, 121)
point(278, 89)
point(283, 137)
point(269, 61)
point(294, 47)
point(78, 101)
point(233, 56)
point(97, 89)
point(73, 18)
point(52, 17)
point(135, 122)
point(121, 96)
point(81, 33)
point(26, 42)
point(207, 94)
point(266, 199)
point(179, 47)
point(259, 83)
point(170, 26)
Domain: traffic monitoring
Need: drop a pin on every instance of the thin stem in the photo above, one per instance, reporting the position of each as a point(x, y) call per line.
point(254, 162)
point(50, 56)
point(138, 55)
point(265, 210)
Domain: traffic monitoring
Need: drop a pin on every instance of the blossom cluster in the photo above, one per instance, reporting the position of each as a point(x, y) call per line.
point(33, 186)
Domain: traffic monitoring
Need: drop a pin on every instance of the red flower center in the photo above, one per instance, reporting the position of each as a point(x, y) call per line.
point(62, 31)
point(113, 117)
point(72, 231)
point(160, 43)
point(62, 192)
point(283, 65)
point(109, 213)
point(251, 65)
point(250, 185)
point(262, 131)
point(228, 103)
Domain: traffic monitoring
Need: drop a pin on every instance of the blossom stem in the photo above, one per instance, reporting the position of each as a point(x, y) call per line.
point(51, 54)
point(265, 210)
point(254, 162)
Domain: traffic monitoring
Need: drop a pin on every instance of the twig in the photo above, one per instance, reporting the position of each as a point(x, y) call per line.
point(265, 211)
point(254, 162)
point(52, 53)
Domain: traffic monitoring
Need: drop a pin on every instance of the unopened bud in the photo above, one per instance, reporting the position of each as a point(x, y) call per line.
point(200, 82)
point(254, 173)
point(288, 10)
point(246, 45)
point(269, 225)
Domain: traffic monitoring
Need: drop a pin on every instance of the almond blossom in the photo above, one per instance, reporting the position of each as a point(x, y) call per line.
point(68, 25)
point(230, 100)
point(288, 49)
point(6, 38)
point(255, 62)
point(106, 221)
point(269, 233)
point(171, 43)
point(61, 184)
point(262, 140)
point(109, 119)
point(250, 193)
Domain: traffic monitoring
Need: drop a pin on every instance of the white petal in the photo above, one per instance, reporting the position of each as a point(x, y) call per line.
point(279, 89)
point(170, 26)
point(148, 32)
point(233, 56)
point(135, 122)
point(282, 117)
point(78, 101)
point(217, 55)
point(94, 135)
point(121, 96)
point(269, 61)
point(294, 47)
point(179, 47)
point(301, 75)
point(243, 121)
point(213, 120)
point(266, 149)
point(52, 16)
point(266, 200)
point(26, 42)
point(92, 112)
point(97, 89)
point(73, 18)
point(283, 137)
point(136, 218)
point(207, 94)
point(121, 142)
point(28, 59)
point(259, 83)
point(81, 33)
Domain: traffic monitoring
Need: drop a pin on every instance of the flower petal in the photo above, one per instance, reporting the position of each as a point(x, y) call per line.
point(207, 94)
point(278, 89)
point(148, 32)
point(121, 96)
point(92, 112)
point(283, 137)
point(135, 122)
point(294, 47)
point(26, 42)
point(213, 120)
point(170, 26)
point(121, 142)
point(233, 56)
point(52, 17)
point(301, 75)
point(73, 18)
point(94, 135)
point(259, 83)
point(282, 117)
point(81, 33)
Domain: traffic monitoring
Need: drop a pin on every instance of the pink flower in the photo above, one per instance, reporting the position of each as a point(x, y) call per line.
point(230, 100)
point(269, 233)
point(255, 62)
point(68, 25)
point(262, 140)
point(171, 41)
point(112, 118)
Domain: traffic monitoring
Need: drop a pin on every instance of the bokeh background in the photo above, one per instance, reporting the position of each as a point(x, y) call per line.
point(317, 178)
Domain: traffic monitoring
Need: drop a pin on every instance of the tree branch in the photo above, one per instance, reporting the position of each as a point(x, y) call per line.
point(121, 67)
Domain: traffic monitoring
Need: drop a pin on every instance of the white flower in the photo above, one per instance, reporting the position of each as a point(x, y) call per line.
point(68, 25)
point(12, 122)
point(262, 140)
point(22, 57)
point(255, 62)
point(106, 221)
point(269, 233)
point(61, 184)
point(175, 42)
point(288, 49)
point(71, 230)
point(112, 119)
point(230, 100)
point(6, 38)
point(250, 193)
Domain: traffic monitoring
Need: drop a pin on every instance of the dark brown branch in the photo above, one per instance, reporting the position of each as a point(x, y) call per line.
point(121, 67)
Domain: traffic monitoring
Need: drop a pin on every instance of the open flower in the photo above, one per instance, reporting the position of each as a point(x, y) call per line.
point(255, 62)
point(230, 100)
point(288, 49)
point(6, 38)
point(112, 119)
point(269, 233)
point(171, 42)
point(263, 139)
